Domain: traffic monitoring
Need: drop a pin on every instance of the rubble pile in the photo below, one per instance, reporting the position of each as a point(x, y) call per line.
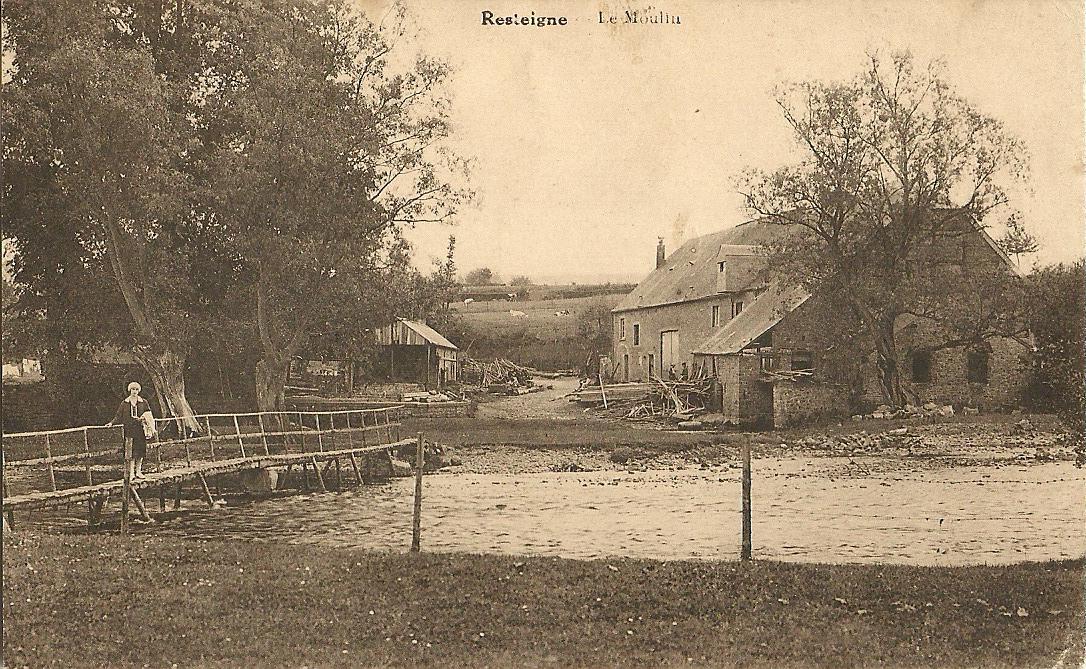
point(860, 442)
point(929, 410)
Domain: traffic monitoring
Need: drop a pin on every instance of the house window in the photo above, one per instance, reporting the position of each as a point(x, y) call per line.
point(921, 366)
point(768, 362)
point(721, 277)
point(802, 361)
point(716, 315)
point(721, 266)
point(622, 328)
point(637, 334)
point(977, 367)
point(737, 308)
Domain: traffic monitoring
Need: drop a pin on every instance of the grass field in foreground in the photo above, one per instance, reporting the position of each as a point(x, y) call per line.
point(112, 601)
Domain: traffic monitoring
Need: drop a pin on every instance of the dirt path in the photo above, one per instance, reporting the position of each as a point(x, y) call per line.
point(548, 403)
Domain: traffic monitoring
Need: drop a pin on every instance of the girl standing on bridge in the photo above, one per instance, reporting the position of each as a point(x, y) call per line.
point(131, 414)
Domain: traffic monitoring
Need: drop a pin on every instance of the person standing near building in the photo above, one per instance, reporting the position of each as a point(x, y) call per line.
point(133, 414)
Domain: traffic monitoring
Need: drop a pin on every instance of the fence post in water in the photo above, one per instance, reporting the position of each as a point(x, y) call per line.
point(745, 554)
point(416, 520)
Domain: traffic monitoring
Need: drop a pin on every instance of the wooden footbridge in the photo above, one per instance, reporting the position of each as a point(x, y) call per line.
point(85, 465)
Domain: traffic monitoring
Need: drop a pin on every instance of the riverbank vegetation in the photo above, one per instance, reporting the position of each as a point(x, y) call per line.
point(116, 601)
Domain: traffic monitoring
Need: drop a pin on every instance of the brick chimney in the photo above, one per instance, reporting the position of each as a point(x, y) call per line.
point(660, 252)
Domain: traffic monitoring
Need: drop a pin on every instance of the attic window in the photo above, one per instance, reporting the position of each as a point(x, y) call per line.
point(721, 265)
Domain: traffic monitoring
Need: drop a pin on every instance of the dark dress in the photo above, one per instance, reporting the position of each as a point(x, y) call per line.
point(128, 415)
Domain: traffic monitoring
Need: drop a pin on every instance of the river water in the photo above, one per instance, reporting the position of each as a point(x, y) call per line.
point(813, 510)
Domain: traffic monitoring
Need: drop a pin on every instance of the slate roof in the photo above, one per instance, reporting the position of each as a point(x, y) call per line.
point(690, 274)
point(765, 312)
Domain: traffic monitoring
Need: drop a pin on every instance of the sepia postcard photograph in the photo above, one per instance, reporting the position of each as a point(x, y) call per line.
point(543, 333)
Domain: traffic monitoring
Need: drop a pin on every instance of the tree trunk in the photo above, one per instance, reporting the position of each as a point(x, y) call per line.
point(167, 372)
point(886, 362)
point(271, 377)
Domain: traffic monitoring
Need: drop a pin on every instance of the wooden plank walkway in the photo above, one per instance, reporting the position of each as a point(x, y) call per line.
point(227, 443)
point(90, 492)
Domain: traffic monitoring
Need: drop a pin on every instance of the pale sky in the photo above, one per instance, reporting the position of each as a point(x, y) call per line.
point(592, 140)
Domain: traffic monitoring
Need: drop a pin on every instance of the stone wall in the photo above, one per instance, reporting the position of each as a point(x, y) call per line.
point(1009, 365)
point(1009, 362)
point(755, 395)
point(727, 370)
point(796, 402)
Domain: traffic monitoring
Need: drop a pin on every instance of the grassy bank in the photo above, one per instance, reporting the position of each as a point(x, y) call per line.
point(593, 432)
point(113, 601)
point(544, 433)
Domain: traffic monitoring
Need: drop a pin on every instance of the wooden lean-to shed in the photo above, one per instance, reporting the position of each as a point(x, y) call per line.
point(415, 352)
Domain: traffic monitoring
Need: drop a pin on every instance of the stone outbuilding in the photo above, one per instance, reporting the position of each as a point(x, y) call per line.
point(709, 306)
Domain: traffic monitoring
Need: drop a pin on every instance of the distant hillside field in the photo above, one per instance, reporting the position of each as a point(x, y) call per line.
point(544, 317)
point(539, 333)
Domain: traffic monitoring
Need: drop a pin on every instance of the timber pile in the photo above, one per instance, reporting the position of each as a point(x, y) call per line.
point(656, 399)
point(501, 374)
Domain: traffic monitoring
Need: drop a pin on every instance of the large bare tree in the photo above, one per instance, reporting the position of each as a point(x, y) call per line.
point(897, 171)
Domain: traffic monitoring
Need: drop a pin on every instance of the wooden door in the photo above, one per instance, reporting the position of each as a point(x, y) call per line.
point(667, 352)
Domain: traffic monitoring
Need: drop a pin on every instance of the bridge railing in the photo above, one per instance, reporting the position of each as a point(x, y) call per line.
point(56, 460)
point(247, 435)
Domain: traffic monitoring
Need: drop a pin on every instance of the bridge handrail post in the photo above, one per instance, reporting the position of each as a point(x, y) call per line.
point(320, 439)
point(49, 464)
point(210, 437)
point(301, 430)
point(237, 430)
point(86, 455)
point(263, 434)
point(350, 437)
point(283, 421)
point(126, 488)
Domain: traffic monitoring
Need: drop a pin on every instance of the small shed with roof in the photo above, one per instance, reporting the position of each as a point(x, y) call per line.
point(415, 352)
